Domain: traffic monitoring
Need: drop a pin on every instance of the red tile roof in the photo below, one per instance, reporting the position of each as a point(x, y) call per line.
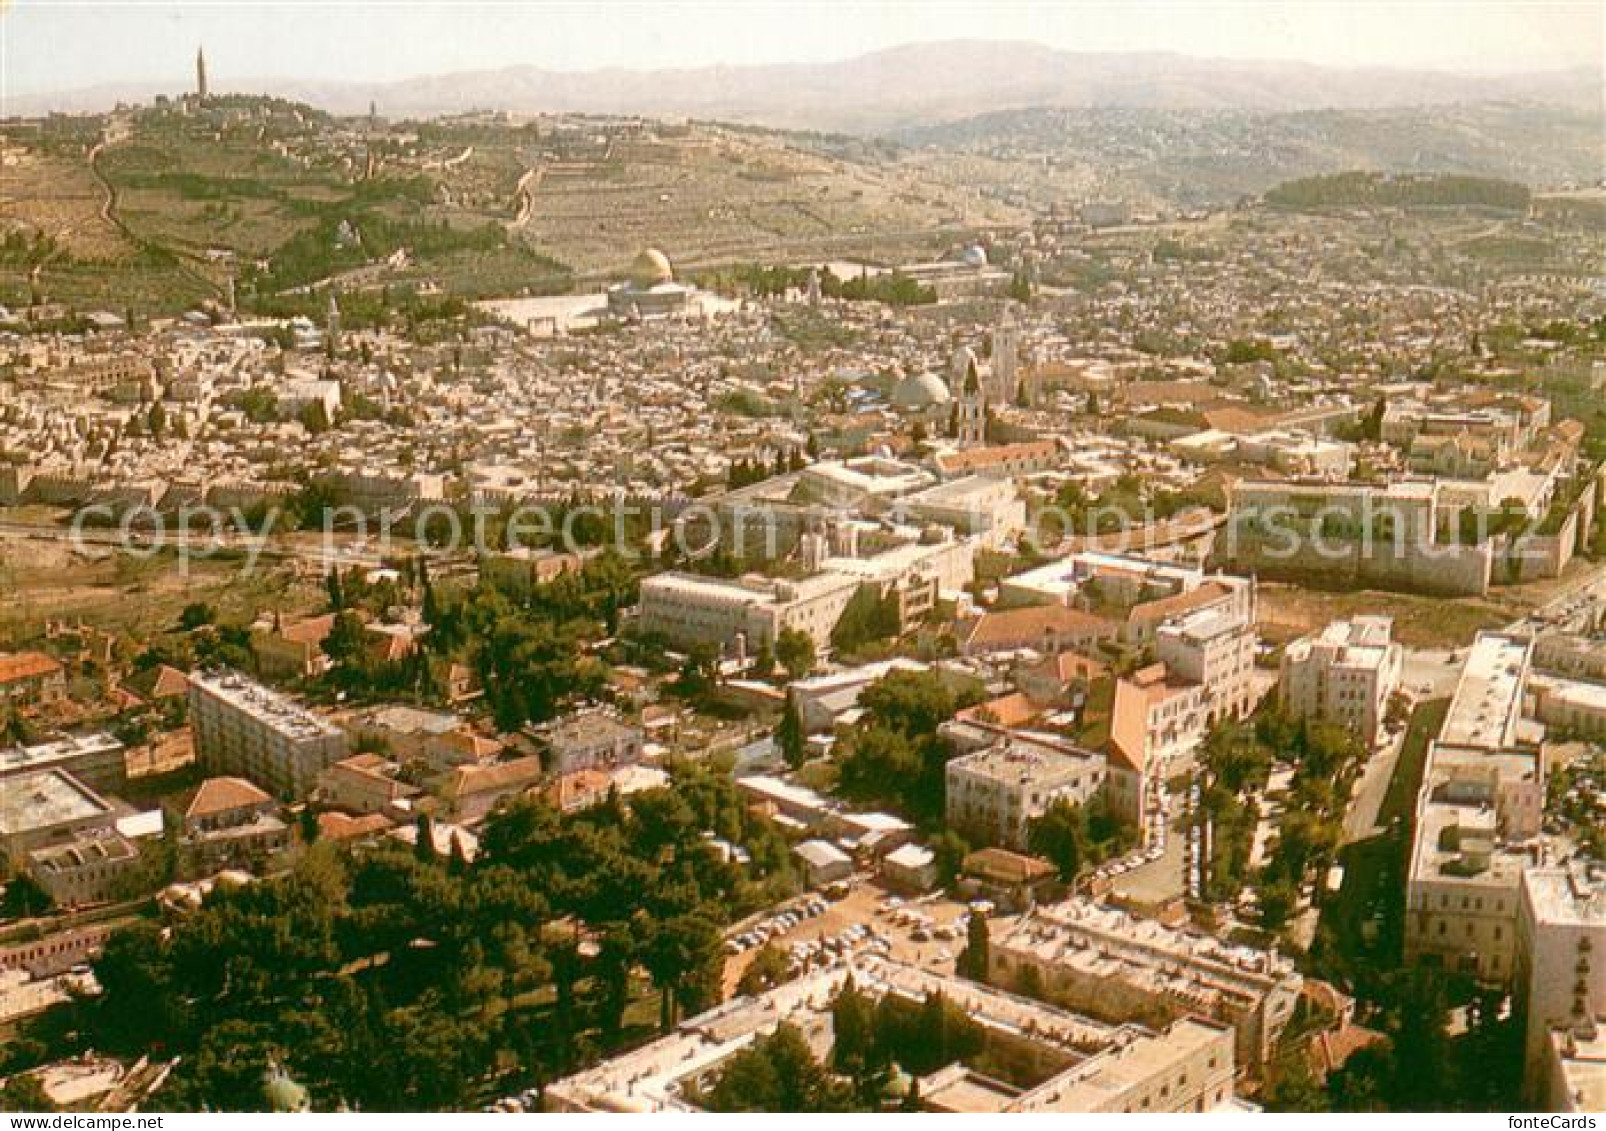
point(223, 795)
point(19, 666)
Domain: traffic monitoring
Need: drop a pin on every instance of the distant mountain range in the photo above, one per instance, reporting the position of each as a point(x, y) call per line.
point(896, 90)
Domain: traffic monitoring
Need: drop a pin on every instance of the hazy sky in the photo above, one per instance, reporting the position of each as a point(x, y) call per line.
point(48, 45)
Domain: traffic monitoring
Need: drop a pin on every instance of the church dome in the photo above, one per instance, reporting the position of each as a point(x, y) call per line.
point(920, 390)
point(975, 256)
point(651, 268)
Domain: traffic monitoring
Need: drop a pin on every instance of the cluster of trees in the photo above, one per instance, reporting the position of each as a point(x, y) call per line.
point(873, 1036)
point(528, 651)
point(1420, 1066)
point(891, 287)
point(778, 1073)
point(529, 647)
point(1238, 758)
point(317, 252)
point(870, 617)
point(202, 641)
point(1167, 250)
point(390, 979)
point(21, 248)
point(745, 472)
point(1126, 503)
point(1073, 837)
point(259, 404)
point(894, 756)
point(874, 1039)
point(1379, 190)
point(1242, 351)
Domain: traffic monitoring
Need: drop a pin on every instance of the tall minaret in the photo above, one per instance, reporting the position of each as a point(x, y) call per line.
point(200, 74)
point(331, 331)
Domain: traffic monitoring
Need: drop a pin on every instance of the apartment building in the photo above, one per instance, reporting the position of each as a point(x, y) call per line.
point(1560, 984)
point(823, 701)
point(1215, 648)
point(1157, 720)
point(243, 729)
point(995, 794)
point(1344, 675)
point(1098, 960)
point(364, 783)
point(1478, 819)
point(1572, 705)
point(63, 834)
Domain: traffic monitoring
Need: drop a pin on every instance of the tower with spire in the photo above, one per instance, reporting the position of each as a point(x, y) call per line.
point(970, 410)
point(200, 74)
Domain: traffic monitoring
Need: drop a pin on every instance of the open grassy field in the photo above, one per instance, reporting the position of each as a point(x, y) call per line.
point(1290, 611)
point(140, 597)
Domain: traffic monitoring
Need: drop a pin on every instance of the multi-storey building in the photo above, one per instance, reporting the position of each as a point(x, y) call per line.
point(1041, 1058)
point(98, 760)
point(63, 834)
point(592, 738)
point(244, 729)
point(1214, 648)
point(1560, 985)
point(688, 609)
point(1098, 960)
point(1344, 675)
point(1478, 818)
point(995, 794)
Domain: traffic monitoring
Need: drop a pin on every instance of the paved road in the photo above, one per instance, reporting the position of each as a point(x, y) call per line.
point(1574, 609)
point(1366, 800)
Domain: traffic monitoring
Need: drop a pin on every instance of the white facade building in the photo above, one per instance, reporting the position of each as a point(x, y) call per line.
point(1344, 675)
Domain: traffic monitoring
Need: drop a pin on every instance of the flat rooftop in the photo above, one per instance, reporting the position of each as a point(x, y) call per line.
point(1574, 895)
point(1487, 704)
point(44, 799)
point(266, 706)
point(1582, 1060)
point(1023, 761)
point(16, 759)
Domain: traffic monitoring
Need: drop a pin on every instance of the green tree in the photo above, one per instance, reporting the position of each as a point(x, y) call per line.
point(789, 736)
point(1057, 836)
point(868, 617)
point(975, 960)
point(794, 649)
point(25, 1092)
point(1292, 1085)
point(196, 614)
point(767, 970)
point(1422, 1062)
